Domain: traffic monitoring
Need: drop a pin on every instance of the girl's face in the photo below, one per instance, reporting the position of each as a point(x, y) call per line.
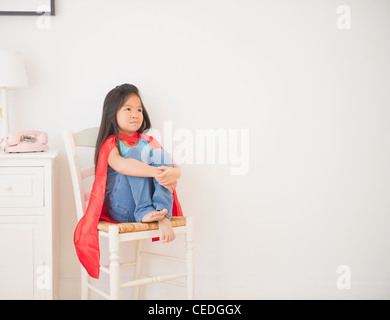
point(129, 116)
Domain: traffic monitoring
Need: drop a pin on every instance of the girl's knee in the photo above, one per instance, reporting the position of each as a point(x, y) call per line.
point(161, 157)
point(138, 153)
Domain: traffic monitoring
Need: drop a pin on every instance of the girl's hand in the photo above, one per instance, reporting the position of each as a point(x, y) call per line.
point(168, 178)
point(171, 187)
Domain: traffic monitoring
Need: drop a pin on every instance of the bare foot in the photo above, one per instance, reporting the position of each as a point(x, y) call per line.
point(154, 216)
point(166, 230)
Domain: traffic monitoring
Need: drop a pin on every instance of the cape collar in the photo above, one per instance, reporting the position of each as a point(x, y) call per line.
point(130, 139)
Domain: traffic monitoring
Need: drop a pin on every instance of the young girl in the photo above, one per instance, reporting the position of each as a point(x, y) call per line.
point(140, 178)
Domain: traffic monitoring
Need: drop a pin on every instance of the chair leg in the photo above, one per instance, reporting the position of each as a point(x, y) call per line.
point(137, 271)
point(114, 262)
point(190, 260)
point(85, 291)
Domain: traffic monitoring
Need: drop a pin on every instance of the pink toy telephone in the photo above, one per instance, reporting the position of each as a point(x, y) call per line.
point(26, 141)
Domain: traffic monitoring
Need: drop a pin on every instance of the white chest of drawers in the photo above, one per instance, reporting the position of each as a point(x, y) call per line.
point(28, 226)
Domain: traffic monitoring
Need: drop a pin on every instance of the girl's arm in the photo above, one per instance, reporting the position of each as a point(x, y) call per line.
point(169, 175)
point(178, 170)
point(131, 167)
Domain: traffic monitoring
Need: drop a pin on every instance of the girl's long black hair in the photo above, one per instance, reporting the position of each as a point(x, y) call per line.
point(114, 100)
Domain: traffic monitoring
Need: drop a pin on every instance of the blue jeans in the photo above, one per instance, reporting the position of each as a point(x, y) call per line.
point(132, 198)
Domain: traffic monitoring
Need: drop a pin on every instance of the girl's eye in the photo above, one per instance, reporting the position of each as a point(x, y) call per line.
point(139, 110)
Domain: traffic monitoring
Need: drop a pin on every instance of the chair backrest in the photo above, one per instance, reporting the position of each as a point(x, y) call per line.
point(85, 138)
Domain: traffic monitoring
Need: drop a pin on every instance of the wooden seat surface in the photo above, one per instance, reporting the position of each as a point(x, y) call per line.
point(139, 226)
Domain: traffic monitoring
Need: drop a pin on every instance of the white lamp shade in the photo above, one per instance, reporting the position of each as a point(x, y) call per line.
point(12, 71)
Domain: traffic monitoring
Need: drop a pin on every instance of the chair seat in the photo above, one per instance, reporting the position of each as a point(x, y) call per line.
point(139, 226)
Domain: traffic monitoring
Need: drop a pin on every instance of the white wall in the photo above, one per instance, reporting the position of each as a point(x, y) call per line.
point(314, 98)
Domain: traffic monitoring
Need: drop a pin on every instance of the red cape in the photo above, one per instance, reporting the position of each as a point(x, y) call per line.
point(86, 235)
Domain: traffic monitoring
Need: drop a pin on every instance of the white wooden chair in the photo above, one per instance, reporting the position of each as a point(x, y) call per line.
point(121, 232)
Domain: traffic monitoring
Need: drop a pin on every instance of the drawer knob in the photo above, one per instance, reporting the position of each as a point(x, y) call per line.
point(9, 188)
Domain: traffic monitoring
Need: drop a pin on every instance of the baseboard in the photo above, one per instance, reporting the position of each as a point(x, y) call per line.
point(315, 286)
